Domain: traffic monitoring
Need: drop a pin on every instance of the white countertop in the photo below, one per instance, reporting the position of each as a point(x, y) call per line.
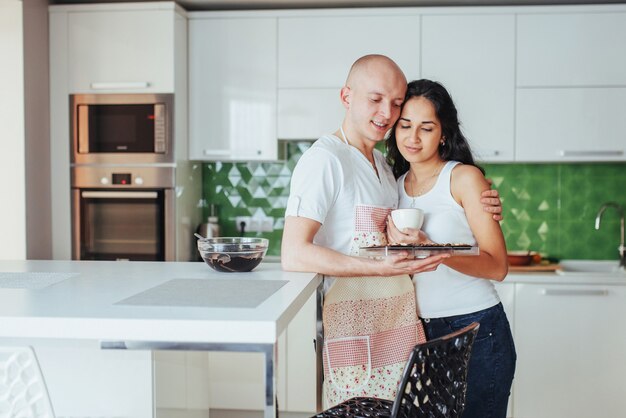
point(83, 306)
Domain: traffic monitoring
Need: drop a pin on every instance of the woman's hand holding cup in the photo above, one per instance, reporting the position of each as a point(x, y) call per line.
point(403, 226)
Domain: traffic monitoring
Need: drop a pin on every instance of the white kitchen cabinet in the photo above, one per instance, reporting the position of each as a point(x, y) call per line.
point(571, 49)
point(315, 54)
point(570, 351)
point(317, 51)
point(308, 113)
point(232, 88)
point(571, 79)
point(571, 124)
point(128, 50)
point(476, 63)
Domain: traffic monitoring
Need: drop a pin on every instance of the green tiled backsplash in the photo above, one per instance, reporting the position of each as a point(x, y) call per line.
point(550, 208)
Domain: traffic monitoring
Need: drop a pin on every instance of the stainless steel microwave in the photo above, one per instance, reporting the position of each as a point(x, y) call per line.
point(121, 128)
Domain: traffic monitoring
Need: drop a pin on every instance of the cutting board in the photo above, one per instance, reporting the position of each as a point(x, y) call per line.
point(535, 268)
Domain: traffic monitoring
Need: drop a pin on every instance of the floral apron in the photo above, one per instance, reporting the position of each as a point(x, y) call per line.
point(370, 324)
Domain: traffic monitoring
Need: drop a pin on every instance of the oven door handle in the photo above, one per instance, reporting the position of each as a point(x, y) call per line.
point(119, 195)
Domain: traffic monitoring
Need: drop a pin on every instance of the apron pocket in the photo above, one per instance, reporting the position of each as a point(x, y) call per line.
point(348, 362)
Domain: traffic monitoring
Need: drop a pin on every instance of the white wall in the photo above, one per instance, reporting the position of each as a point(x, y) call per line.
point(12, 179)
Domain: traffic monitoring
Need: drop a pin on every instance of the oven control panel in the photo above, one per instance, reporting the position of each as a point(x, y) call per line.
point(123, 179)
point(135, 177)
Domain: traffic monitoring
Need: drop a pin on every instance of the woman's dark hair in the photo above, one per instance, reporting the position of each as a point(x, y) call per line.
point(456, 146)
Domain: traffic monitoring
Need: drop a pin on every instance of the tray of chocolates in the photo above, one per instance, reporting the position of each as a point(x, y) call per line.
point(419, 250)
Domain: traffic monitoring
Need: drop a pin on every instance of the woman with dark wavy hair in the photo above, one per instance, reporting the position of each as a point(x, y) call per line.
point(435, 171)
point(455, 148)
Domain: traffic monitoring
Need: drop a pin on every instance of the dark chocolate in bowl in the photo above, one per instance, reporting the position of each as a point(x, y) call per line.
point(233, 262)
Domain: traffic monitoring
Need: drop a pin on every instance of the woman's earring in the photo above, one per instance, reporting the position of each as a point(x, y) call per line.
point(443, 141)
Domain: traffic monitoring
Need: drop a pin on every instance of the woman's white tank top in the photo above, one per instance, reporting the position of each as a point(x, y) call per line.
point(446, 292)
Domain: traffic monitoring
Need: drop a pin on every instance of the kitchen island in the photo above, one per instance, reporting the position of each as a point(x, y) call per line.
point(148, 306)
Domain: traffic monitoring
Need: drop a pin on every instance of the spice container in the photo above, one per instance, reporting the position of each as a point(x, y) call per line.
point(210, 229)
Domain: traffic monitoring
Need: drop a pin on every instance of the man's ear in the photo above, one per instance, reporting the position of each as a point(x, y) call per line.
point(346, 96)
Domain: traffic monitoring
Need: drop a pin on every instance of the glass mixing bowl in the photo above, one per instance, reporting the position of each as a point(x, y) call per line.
point(233, 254)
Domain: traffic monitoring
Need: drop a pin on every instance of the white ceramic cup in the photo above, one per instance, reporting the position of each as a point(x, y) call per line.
point(408, 218)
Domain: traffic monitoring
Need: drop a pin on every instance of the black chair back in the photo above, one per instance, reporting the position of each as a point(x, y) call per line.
point(434, 380)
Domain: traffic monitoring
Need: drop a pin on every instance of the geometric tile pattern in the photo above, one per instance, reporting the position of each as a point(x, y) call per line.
point(550, 208)
point(22, 389)
point(251, 188)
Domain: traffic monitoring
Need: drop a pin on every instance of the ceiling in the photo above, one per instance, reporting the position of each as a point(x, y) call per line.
point(302, 4)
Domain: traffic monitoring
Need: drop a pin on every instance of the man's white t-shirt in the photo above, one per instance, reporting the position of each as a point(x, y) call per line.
point(330, 181)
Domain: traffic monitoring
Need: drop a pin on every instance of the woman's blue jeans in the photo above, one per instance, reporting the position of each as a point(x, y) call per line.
point(492, 362)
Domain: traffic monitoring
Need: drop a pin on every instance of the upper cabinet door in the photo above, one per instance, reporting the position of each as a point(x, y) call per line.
point(317, 52)
point(473, 57)
point(308, 113)
point(315, 55)
point(114, 51)
point(232, 89)
point(574, 49)
point(571, 124)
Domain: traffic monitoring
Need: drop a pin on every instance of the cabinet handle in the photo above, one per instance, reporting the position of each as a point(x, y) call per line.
point(488, 152)
point(607, 153)
point(120, 85)
point(575, 292)
point(216, 152)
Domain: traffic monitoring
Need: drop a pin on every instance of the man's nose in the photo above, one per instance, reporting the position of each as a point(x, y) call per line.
point(386, 110)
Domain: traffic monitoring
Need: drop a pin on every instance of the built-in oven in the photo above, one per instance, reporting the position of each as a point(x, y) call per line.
point(118, 128)
point(123, 213)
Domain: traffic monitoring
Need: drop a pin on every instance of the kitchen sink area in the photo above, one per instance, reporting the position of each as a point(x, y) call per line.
point(586, 267)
